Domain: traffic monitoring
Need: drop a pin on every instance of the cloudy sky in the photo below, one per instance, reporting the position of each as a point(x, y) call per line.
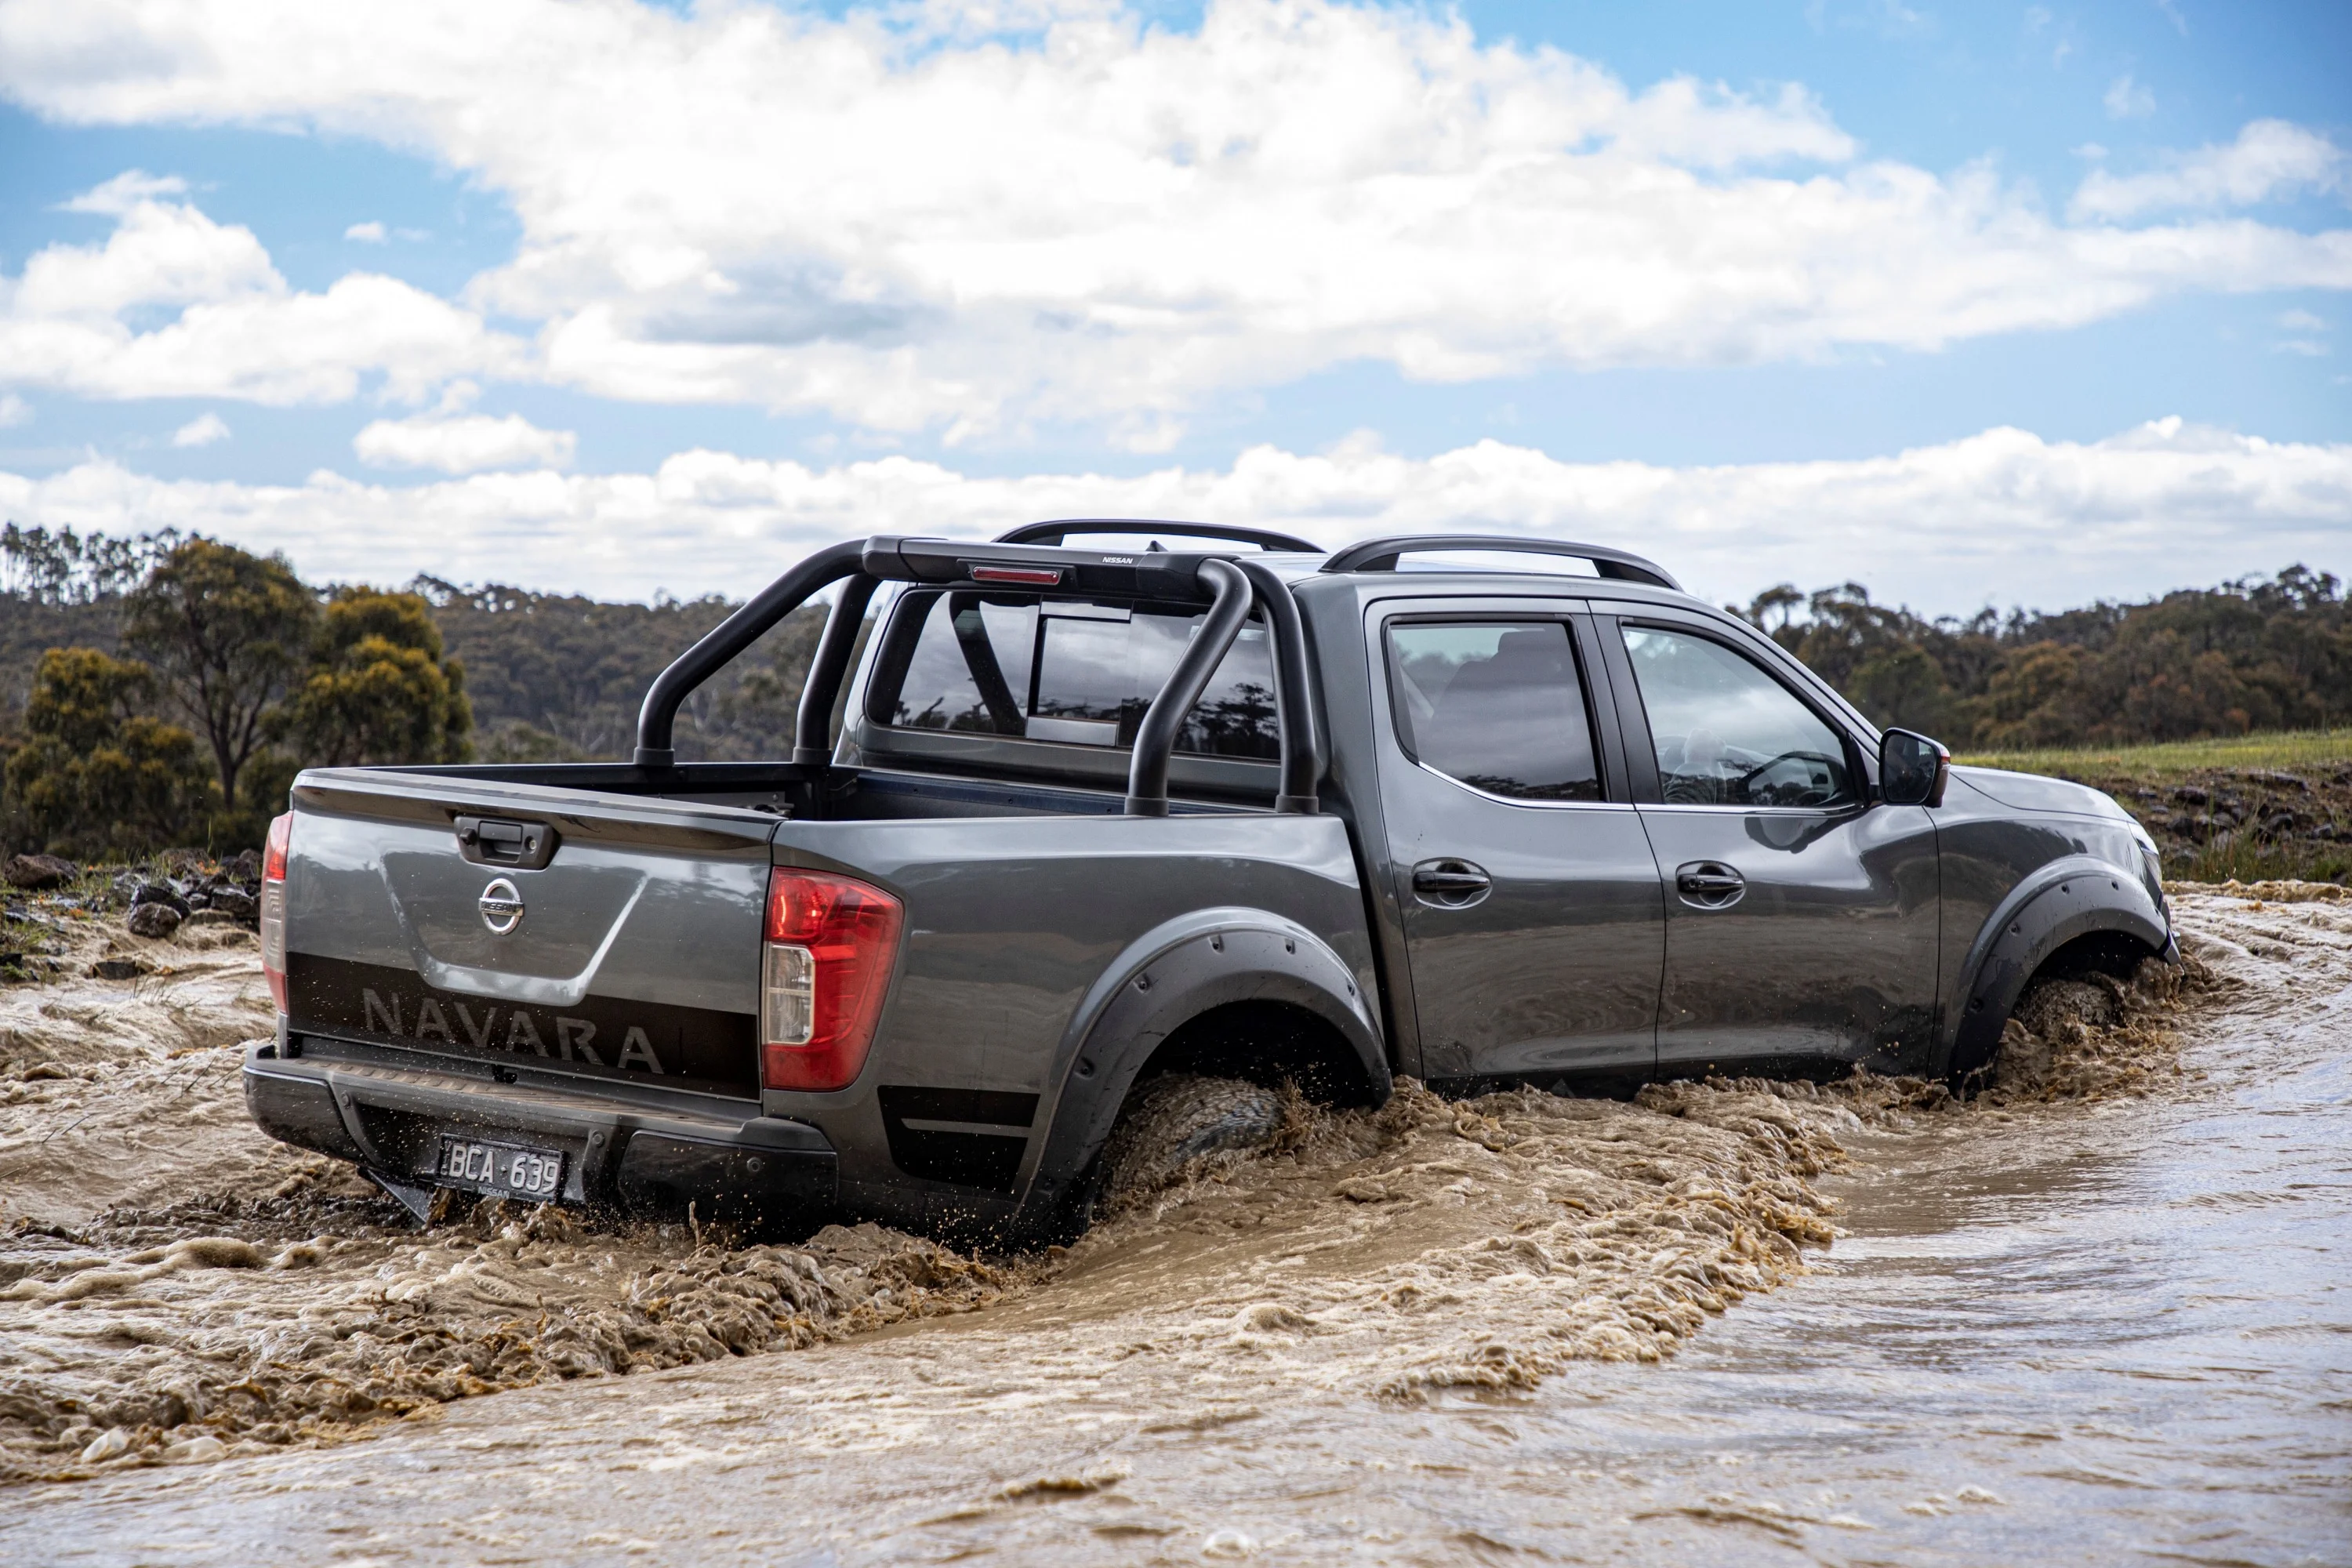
point(1983, 304)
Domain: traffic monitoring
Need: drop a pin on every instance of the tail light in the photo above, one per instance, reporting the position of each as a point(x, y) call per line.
point(831, 941)
point(273, 907)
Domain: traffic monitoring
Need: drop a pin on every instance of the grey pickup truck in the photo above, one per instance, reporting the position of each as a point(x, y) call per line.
point(1481, 810)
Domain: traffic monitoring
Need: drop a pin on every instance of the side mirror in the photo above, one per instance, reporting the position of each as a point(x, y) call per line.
point(1912, 769)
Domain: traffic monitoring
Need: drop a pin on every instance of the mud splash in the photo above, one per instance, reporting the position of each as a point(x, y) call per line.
point(2097, 1036)
point(1483, 1243)
point(115, 1090)
point(214, 1345)
point(2086, 1327)
point(1432, 1245)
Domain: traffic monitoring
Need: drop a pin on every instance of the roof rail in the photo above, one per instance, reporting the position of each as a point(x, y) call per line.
point(1380, 554)
point(1055, 532)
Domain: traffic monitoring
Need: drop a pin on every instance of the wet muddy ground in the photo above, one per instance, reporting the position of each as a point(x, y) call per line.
point(2101, 1312)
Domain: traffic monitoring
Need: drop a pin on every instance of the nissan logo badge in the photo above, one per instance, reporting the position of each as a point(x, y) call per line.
point(501, 907)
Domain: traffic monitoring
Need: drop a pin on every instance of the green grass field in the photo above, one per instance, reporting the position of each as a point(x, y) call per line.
point(2292, 752)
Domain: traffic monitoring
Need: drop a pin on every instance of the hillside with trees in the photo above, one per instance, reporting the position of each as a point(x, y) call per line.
point(165, 690)
point(2254, 654)
point(559, 678)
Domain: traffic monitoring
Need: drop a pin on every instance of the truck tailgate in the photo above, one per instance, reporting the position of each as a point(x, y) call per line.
point(630, 953)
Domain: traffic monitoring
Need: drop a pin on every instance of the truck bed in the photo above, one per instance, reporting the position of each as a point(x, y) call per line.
point(623, 1008)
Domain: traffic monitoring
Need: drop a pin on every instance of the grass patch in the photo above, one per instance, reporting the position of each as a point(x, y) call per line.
point(2244, 808)
point(2234, 857)
point(2295, 751)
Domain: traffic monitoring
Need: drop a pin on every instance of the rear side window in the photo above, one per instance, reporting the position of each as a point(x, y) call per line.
point(1496, 705)
point(1079, 672)
point(1728, 734)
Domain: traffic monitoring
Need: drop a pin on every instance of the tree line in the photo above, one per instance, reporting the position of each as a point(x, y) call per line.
point(164, 691)
point(2254, 654)
point(224, 675)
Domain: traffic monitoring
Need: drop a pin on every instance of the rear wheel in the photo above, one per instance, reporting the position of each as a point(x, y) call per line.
point(1171, 1124)
point(1168, 1127)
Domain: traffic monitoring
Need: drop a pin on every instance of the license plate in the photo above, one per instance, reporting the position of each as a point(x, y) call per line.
point(501, 1170)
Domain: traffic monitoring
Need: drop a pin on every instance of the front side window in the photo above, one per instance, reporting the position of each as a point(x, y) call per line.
point(1496, 705)
point(1075, 671)
point(1728, 734)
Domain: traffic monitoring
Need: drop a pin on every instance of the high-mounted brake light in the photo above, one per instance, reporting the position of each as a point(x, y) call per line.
point(273, 907)
point(1031, 576)
point(830, 943)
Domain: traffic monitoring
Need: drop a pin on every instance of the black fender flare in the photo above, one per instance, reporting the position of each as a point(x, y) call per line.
point(1162, 981)
point(2072, 897)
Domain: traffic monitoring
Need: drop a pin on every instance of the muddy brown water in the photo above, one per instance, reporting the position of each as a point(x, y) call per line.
point(2115, 1327)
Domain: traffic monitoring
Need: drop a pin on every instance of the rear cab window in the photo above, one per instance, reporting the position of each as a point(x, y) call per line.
point(1073, 672)
point(1496, 705)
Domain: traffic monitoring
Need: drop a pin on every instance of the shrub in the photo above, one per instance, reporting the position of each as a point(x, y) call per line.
point(94, 776)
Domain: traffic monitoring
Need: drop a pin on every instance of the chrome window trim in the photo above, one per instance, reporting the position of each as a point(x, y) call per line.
point(1510, 800)
point(1852, 808)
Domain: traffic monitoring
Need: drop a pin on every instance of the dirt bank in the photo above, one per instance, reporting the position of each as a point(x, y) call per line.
point(2213, 824)
point(174, 1288)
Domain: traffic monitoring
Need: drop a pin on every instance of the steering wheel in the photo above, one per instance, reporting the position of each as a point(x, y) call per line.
point(1747, 779)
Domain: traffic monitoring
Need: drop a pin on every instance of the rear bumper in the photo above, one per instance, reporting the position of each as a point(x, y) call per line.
point(648, 1161)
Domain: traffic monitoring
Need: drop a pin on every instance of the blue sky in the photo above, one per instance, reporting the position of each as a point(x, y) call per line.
point(1735, 367)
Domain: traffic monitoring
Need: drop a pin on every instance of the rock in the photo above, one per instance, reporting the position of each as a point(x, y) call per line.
point(37, 873)
point(155, 920)
point(117, 969)
point(247, 866)
point(237, 904)
point(160, 893)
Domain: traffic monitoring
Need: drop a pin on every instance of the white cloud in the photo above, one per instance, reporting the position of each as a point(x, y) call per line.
point(369, 233)
point(1999, 517)
point(463, 446)
point(2128, 100)
point(2301, 321)
point(2269, 159)
point(202, 431)
point(964, 216)
point(124, 193)
point(77, 319)
point(14, 410)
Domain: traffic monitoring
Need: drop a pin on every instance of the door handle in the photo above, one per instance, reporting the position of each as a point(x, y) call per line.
point(1450, 883)
point(1709, 884)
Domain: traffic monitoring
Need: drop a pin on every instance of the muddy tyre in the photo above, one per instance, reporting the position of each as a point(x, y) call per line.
point(1167, 1128)
point(1171, 1124)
